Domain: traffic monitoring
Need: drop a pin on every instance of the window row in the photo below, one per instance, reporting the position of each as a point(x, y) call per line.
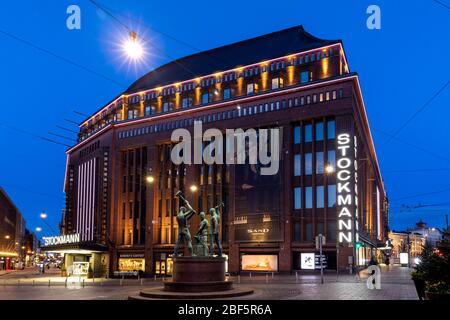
point(319, 197)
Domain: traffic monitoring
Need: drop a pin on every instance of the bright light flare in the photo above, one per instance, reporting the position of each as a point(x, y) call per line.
point(193, 188)
point(38, 229)
point(43, 215)
point(133, 48)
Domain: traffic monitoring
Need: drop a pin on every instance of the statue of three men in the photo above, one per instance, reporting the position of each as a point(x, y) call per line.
point(184, 235)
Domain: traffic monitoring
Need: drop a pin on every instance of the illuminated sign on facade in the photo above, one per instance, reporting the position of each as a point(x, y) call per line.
point(68, 238)
point(308, 261)
point(344, 188)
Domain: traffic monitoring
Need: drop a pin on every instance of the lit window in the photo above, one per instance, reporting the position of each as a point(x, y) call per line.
point(277, 83)
point(250, 88)
point(147, 111)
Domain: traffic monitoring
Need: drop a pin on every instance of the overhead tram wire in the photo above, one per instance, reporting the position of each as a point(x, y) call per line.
point(34, 135)
point(415, 114)
point(66, 60)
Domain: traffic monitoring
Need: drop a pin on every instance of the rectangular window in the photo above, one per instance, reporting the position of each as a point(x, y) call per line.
point(297, 165)
point(331, 231)
point(277, 83)
point(308, 235)
point(331, 158)
point(205, 98)
point(319, 131)
point(250, 88)
point(297, 232)
point(297, 198)
point(304, 77)
point(320, 197)
point(331, 196)
point(331, 129)
point(226, 93)
point(308, 163)
point(308, 198)
point(308, 133)
point(186, 102)
point(147, 111)
point(297, 135)
point(319, 162)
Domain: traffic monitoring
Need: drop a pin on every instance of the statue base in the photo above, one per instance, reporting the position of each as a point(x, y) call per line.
point(196, 278)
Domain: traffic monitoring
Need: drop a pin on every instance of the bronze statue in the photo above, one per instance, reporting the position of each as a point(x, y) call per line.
point(202, 235)
point(183, 229)
point(214, 236)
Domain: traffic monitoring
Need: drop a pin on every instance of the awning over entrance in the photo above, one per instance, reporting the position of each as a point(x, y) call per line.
point(76, 248)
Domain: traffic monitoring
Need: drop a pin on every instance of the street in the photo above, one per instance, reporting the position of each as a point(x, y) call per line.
point(396, 284)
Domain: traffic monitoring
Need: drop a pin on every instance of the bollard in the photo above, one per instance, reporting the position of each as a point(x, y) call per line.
point(272, 275)
point(49, 282)
point(65, 283)
point(121, 281)
point(142, 281)
point(239, 278)
point(93, 280)
point(163, 278)
point(155, 277)
point(250, 275)
point(267, 278)
point(296, 276)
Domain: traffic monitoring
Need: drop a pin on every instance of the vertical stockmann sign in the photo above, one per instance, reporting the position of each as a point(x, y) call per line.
point(346, 188)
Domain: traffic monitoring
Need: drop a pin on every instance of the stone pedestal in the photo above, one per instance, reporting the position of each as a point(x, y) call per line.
point(198, 274)
point(195, 278)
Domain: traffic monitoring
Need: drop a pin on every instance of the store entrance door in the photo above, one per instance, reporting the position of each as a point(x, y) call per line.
point(163, 264)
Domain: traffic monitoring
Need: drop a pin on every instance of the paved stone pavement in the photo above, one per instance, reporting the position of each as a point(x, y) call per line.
point(396, 284)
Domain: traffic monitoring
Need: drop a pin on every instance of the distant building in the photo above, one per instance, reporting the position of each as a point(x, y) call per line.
point(399, 242)
point(432, 235)
point(30, 247)
point(12, 232)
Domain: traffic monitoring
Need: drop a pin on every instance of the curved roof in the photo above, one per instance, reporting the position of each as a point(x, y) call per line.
point(273, 45)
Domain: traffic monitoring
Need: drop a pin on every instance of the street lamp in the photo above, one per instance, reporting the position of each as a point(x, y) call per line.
point(329, 169)
point(193, 188)
point(150, 179)
point(7, 236)
point(38, 229)
point(43, 215)
point(132, 47)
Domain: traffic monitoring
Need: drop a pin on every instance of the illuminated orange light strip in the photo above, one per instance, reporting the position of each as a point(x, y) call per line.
point(198, 79)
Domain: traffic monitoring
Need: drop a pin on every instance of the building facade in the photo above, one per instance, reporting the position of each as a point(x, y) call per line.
point(121, 181)
point(12, 233)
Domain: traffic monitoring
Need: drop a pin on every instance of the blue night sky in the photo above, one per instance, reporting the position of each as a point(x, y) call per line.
point(401, 67)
